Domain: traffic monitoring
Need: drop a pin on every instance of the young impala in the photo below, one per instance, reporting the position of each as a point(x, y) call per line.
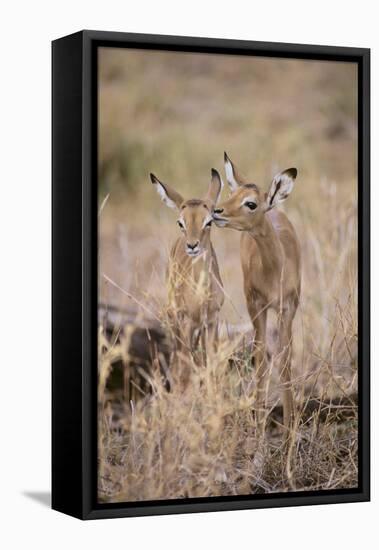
point(195, 287)
point(270, 257)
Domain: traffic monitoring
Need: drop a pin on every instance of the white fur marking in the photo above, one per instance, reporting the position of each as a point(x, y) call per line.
point(279, 194)
point(163, 195)
point(207, 220)
point(221, 188)
point(230, 176)
point(181, 220)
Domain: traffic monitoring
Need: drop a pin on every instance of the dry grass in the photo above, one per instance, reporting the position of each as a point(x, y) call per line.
point(201, 442)
point(175, 117)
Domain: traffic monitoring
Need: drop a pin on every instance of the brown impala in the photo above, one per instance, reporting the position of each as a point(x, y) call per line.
point(270, 258)
point(195, 287)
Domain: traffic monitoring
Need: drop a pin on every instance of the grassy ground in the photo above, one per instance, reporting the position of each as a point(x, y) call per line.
point(174, 116)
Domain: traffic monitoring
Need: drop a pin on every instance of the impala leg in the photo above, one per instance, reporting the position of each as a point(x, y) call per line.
point(213, 335)
point(259, 321)
point(208, 340)
point(203, 344)
point(176, 363)
point(187, 356)
point(175, 323)
point(285, 359)
point(182, 350)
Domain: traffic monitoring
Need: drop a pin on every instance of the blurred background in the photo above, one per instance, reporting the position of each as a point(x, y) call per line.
point(174, 114)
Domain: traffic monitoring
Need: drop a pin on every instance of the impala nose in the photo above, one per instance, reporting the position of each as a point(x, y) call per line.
point(192, 246)
point(218, 210)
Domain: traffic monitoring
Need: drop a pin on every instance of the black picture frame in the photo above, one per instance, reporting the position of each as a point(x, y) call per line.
point(74, 272)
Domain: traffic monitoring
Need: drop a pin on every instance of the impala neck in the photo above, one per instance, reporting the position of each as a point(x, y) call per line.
point(269, 246)
point(201, 263)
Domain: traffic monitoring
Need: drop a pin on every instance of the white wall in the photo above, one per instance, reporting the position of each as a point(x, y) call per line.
point(26, 31)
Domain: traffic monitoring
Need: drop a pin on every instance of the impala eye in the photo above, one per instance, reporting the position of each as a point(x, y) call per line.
point(180, 224)
point(251, 205)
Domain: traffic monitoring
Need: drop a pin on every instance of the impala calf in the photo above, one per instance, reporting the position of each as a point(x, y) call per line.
point(195, 287)
point(270, 258)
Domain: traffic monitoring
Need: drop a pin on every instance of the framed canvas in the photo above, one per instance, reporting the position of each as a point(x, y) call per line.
point(210, 275)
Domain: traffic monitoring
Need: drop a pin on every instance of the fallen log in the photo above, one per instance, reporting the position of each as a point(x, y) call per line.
point(145, 349)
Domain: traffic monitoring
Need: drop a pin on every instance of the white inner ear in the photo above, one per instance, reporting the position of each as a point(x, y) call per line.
point(207, 220)
point(281, 187)
point(233, 184)
point(164, 197)
point(215, 188)
point(221, 188)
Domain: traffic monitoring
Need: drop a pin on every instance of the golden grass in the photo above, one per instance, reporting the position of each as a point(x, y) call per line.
point(175, 117)
point(201, 442)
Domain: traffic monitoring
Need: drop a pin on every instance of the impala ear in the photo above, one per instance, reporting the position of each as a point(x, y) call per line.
point(233, 178)
point(168, 195)
point(281, 186)
point(215, 187)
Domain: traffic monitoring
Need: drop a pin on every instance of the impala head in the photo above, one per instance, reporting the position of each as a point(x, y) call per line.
point(247, 204)
point(195, 215)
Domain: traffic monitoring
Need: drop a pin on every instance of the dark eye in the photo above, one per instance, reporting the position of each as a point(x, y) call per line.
point(209, 223)
point(180, 224)
point(251, 205)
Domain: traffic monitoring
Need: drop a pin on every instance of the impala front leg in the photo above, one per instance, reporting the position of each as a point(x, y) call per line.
point(212, 329)
point(285, 359)
point(259, 320)
point(209, 336)
point(182, 352)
